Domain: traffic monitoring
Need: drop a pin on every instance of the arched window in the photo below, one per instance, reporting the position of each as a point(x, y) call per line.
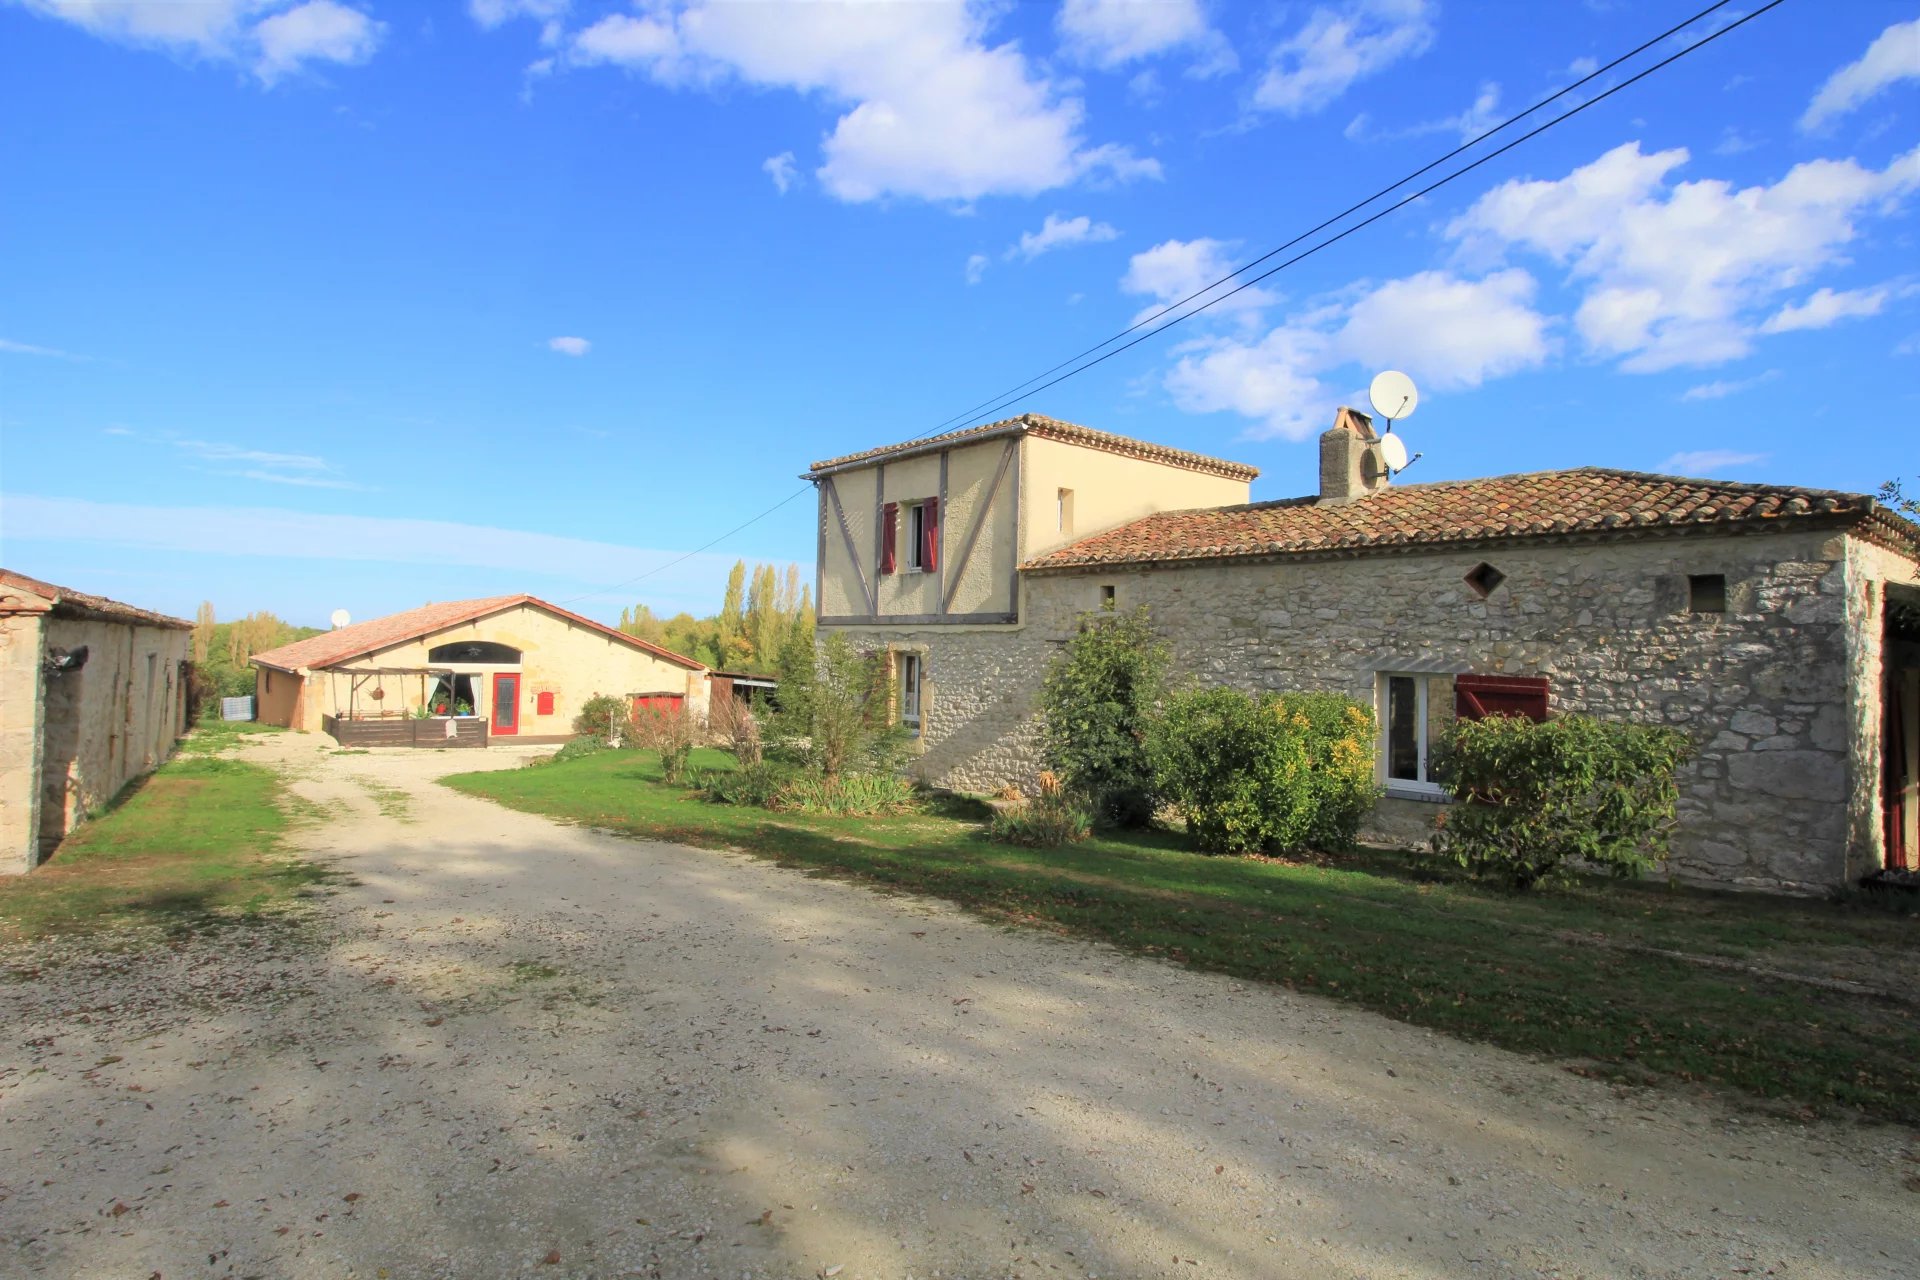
point(482, 651)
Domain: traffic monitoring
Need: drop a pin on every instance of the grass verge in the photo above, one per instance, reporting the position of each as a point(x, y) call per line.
point(194, 843)
point(1573, 974)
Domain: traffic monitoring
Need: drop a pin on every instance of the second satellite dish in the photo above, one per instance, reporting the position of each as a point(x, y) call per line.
point(1394, 396)
point(340, 618)
point(1393, 453)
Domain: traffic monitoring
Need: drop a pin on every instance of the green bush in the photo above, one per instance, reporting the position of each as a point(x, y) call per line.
point(1097, 706)
point(1051, 819)
point(1340, 746)
point(602, 717)
point(836, 711)
point(1540, 800)
point(1237, 768)
point(848, 795)
point(757, 785)
point(576, 748)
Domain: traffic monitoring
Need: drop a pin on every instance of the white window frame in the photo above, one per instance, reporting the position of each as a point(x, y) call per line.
point(1423, 787)
point(913, 528)
point(912, 675)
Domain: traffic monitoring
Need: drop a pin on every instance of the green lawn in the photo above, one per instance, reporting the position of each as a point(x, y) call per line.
point(1562, 973)
point(193, 843)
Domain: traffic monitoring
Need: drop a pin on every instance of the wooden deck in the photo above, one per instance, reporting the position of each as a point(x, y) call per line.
point(394, 731)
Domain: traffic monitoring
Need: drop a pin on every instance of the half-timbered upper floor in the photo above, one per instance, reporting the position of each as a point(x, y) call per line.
point(934, 531)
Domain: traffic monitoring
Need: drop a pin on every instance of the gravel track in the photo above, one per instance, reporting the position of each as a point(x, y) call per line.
point(517, 1048)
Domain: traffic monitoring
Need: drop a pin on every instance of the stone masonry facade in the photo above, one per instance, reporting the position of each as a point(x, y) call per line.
point(1771, 800)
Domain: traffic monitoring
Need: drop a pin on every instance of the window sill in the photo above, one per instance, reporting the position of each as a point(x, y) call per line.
point(1416, 792)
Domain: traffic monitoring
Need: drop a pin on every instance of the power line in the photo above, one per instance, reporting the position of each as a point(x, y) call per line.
point(1000, 401)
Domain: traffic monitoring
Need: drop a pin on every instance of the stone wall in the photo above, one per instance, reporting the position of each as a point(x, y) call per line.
point(1763, 688)
point(20, 735)
point(109, 722)
point(1870, 570)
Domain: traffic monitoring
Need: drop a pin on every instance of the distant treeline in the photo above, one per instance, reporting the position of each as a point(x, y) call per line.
point(221, 649)
point(765, 610)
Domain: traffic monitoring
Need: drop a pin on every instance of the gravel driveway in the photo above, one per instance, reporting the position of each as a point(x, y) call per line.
point(524, 1049)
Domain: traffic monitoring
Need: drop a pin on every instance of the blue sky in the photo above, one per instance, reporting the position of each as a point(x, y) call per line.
point(311, 304)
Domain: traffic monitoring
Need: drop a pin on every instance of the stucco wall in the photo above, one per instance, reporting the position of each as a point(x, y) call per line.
point(21, 723)
point(1109, 489)
point(1763, 688)
point(276, 698)
point(111, 721)
point(571, 662)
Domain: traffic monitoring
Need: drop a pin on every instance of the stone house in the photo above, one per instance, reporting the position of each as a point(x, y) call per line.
point(506, 667)
point(1779, 626)
point(93, 694)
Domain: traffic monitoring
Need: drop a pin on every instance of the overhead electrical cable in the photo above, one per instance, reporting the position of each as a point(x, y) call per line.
point(999, 402)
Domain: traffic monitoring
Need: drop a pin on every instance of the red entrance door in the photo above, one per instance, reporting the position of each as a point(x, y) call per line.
point(506, 703)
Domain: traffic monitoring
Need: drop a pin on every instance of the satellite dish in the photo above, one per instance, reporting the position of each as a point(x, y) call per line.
point(1394, 396)
point(1393, 452)
point(340, 618)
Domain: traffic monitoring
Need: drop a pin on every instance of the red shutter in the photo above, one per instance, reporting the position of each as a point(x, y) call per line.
point(930, 535)
point(1476, 697)
point(543, 704)
point(889, 536)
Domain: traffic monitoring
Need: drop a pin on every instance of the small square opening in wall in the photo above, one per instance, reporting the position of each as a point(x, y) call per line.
point(1108, 596)
point(1707, 593)
point(1483, 578)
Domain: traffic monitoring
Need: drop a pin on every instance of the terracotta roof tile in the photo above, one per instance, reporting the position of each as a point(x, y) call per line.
point(1035, 424)
point(68, 602)
point(361, 638)
point(1589, 501)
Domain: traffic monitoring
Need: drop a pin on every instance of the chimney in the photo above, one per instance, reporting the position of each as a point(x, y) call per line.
point(1350, 464)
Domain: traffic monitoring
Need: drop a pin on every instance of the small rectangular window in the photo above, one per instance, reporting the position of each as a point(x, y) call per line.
point(1707, 592)
point(1108, 597)
point(916, 532)
point(909, 675)
point(1414, 711)
point(1066, 511)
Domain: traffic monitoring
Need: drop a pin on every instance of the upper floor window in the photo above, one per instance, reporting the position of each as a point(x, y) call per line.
point(1066, 510)
point(919, 523)
point(916, 531)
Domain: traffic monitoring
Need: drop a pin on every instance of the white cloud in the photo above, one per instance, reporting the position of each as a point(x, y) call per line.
point(318, 31)
point(1111, 33)
point(28, 349)
point(569, 346)
point(1175, 269)
point(1311, 68)
point(1892, 57)
point(977, 267)
point(933, 111)
point(266, 34)
point(1675, 274)
point(492, 13)
point(1721, 390)
point(1058, 233)
point(1476, 119)
point(781, 169)
point(1581, 68)
point(304, 470)
point(1709, 462)
point(270, 532)
point(1449, 333)
point(1824, 308)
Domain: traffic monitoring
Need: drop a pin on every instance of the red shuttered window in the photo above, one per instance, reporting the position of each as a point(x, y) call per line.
point(1476, 697)
point(889, 536)
point(543, 704)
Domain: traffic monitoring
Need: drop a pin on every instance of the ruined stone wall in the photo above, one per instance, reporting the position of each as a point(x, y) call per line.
point(1762, 688)
point(1869, 571)
point(109, 722)
point(20, 732)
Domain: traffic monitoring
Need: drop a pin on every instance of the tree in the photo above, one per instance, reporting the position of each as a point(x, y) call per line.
point(1097, 706)
point(835, 713)
point(203, 624)
point(1895, 497)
